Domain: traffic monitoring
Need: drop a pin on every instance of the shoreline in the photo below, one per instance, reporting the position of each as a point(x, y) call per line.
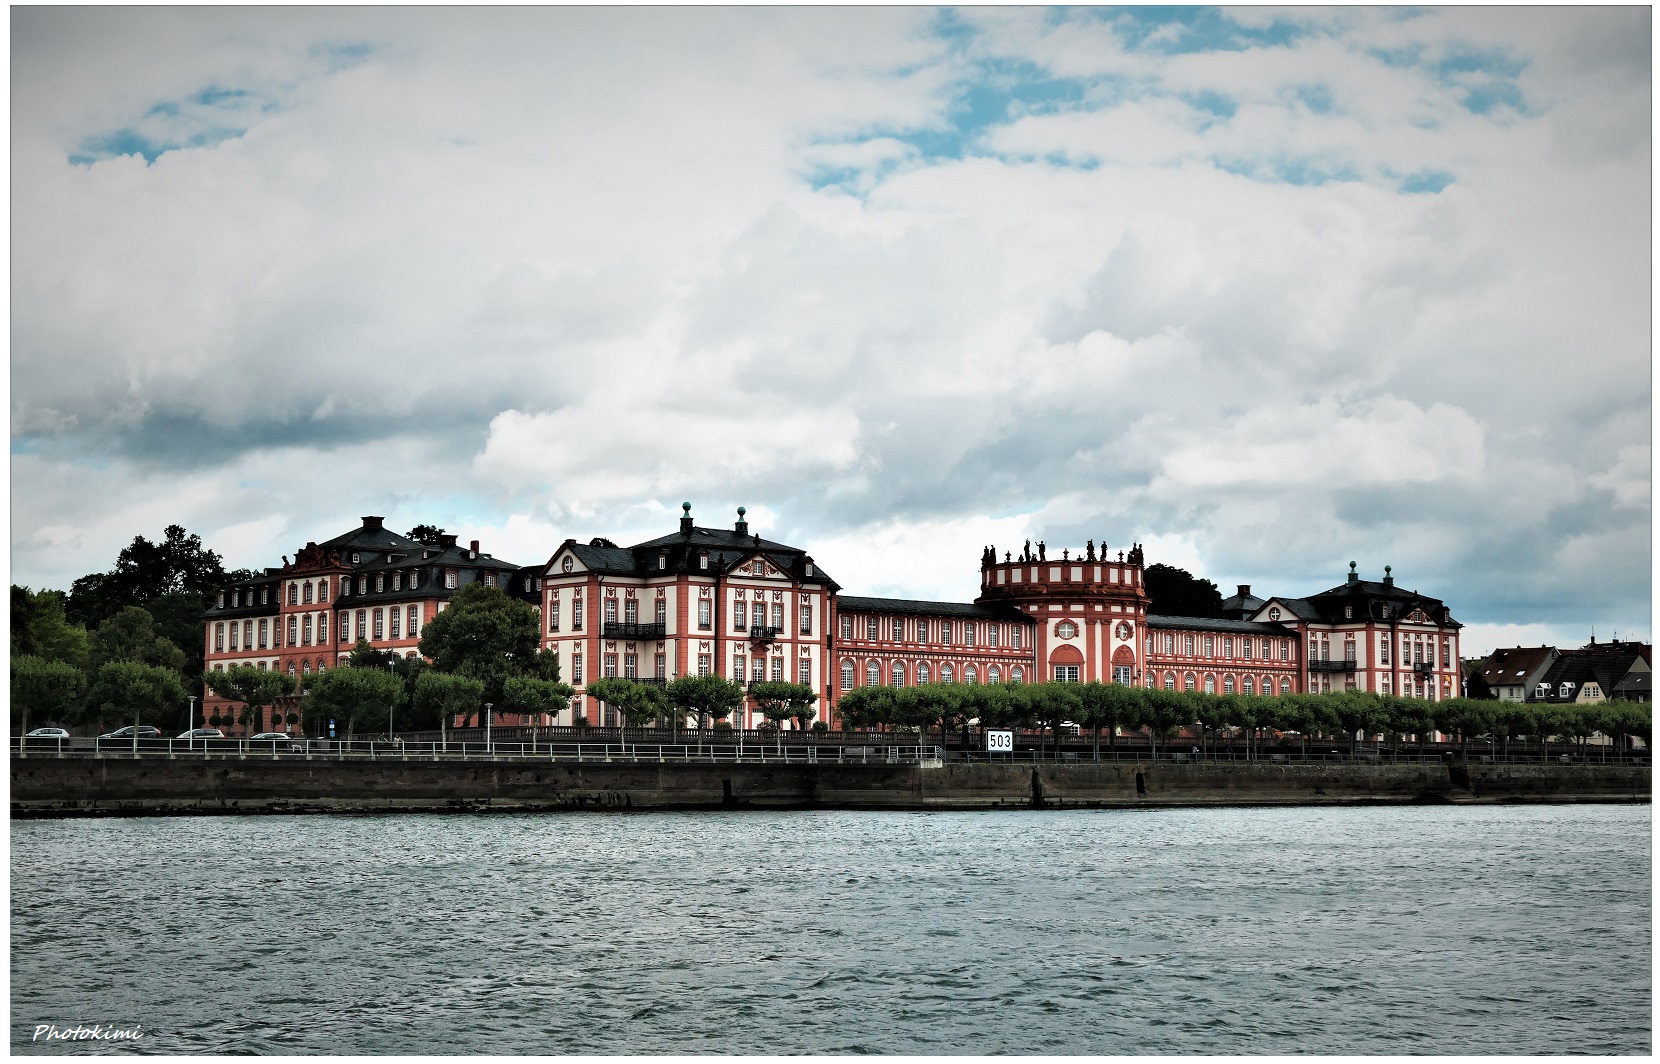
point(78, 788)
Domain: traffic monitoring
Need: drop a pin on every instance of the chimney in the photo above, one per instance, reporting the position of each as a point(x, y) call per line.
point(472, 549)
point(1353, 577)
point(1244, 590)
point(685, 519)
point(372, 524)
point(1388, 579)
point(446, 540)
point(742, 526)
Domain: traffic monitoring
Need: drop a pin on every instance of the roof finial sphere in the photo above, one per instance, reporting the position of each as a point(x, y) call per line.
point(740, 511)
point(686, 507)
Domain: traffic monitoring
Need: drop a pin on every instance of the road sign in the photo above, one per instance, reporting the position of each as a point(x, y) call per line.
point(1000, 742)
point(331, 727)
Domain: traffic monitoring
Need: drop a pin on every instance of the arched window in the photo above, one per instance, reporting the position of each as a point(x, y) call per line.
point(293, 594)
point(1285, 686)
point(898, 674)
point(847, 676)
point(305, 595)
point(1249, 687)
point(946, 673)
point(1169, 681)
point(1017, 674)
point(873, 674)
point(1189, 681)
point(994, 675)
point(923, 673)
point(970, 675)
point(1210, 683)
point(306, 668)
point(1227, 685)
point(321, 665)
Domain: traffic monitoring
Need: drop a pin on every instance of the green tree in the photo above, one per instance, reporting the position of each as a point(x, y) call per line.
point(122, 690)
point(1166, 712)
point(252, 688)
point(486, 635)
point(638, 703)
point(1178, 593)
point(354, 697)
point(48, 690)
point(526, 694)
point(144, 571)
point(41, 628)
point(704, 697)
point(431, 535)
point(781, 700)
point(130, 635)
point(443, 696)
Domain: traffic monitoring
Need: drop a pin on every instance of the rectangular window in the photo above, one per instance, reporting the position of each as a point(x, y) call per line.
point(609, 611)
point(397, 581)
point(380, 582)
point(553, 615)
point(992, 633)
point(576, 669)
point(703, 621)
point(968, 633)
point(873, 629)
point(804, 672)
point(1383, 650)
point(898, 630)
point(760, 670)
point(631, 666)
point(397, 617)
point(740, 611)
point(738, 668)
point(662, 615)
point(1210, 646)
point(1066, 674)
point(662, 664)
point(1285, 650)
point(631, 612)
point(703, 664)
point(449, 578)
point(414, 622)
point(778, 616)
point(380, 624)
point(847, 628)
point(1014, 638)
point(945, 632)
point(922, 630)
point(248, 634)
point(345, 627)
point(1121, 675)
point(777, 668)
point(218, 638)
point(806, 619)
point(1187, 645)
point(611, 665)
point(236, 636)
point(362, 624)
point(576, 613)
point(293, 631)
point(1348, 650)
point(307, 597)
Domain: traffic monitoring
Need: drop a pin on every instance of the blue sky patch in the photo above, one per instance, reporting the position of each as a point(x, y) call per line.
point(1426, 181)
point(1185, 30)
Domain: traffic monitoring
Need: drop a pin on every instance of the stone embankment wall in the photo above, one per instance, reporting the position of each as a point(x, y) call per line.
point(116, 786)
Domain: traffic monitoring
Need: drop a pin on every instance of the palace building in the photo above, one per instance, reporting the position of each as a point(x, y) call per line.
point(731, 603)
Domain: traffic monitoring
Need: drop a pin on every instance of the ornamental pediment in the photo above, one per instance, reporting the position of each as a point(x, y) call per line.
point(759, 567)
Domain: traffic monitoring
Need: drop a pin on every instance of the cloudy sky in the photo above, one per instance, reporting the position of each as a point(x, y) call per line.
point(1265, 290)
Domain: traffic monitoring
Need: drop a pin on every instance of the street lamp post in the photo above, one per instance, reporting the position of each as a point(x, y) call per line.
point(391, 667)
point(190, 719)
point(487, 726)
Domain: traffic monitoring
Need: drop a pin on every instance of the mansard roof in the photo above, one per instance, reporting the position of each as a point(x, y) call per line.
point(372, 535)
point(726, 548)
point(921, 607)
point(1219, 624)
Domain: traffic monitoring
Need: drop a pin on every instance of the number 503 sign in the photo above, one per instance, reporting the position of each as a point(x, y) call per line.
point(1000, 742)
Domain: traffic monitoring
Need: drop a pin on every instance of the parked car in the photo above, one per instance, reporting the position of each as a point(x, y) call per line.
point(145, 731)
point(202, 733)
point(274, 738)
point(46, 737)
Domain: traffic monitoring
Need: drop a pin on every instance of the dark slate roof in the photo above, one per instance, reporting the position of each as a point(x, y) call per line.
point(1302, 609)
point(363, 538)
point(1510, 666)
point(1217, 624)
point(1369, 597)
point(726, 547)
point(920, 607)
point(1241, 606)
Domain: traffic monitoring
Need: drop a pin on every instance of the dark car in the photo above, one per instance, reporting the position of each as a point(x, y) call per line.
point(144, 731)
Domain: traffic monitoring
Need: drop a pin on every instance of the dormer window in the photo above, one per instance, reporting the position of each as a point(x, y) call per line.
point(449, 578)
point(236, 599)
point(221, 600)
point(1348, 612)
point(757, 568)
point(380, 582)
point(345, 588)
point(489, 579)
point(397, 581)
point(362, 585)
point(356, 558)
point(703, 559)
point(264, 595)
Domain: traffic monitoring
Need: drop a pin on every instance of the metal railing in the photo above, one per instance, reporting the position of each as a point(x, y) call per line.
point(632, 630)
point(1342, 665)
point(762, 633)
point(383, 748)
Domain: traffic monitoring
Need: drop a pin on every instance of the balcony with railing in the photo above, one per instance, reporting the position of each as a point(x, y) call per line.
point(631, 630)
point(1344, 665)
point(1423, 668)
point(762, 633)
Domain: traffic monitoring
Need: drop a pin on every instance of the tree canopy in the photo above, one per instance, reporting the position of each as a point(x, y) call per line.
point(47, 692)
point(431, 535)
point(130, 635)
point(253, 688)
point(484, 634)
point(1178, 593)
point(129, 691)
point(354, 698)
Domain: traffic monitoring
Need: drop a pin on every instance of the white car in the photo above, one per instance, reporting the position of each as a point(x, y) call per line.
point(275, 738)
point(48, 733)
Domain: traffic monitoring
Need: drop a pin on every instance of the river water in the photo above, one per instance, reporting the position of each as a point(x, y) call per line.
point(1431, 929)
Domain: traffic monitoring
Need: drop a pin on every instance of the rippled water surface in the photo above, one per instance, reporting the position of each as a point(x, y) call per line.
point(1376, 930)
